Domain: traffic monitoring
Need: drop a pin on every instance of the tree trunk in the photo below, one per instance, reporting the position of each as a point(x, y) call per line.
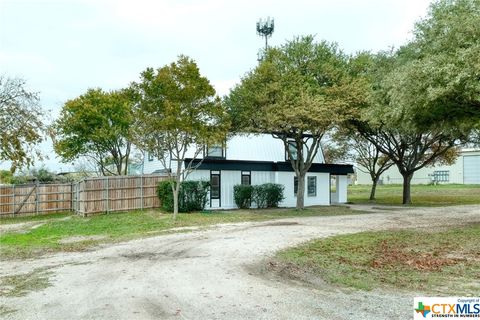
point(407, 178)
point(175, 201)
point(125, 168)
point(301, 191)
point(374, 188)
point(176, 188)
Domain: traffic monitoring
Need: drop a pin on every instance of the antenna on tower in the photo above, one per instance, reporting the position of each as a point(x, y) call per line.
point(265, 28)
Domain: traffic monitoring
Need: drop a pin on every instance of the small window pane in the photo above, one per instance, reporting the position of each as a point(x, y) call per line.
point(246, 180)
point(292, 147)
point(215, 186)
point(215, 151)
point(312, 186)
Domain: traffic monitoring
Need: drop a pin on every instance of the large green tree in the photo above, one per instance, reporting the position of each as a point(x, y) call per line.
point(426, 95)
point(21, 123)
point(96, 126)
point(367, 156)
point(297, 93)
point(177, 116)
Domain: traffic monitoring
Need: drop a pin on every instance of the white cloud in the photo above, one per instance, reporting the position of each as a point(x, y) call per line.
point(223, 86)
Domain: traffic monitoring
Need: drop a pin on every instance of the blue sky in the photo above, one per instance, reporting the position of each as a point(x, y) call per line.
point(62, 48)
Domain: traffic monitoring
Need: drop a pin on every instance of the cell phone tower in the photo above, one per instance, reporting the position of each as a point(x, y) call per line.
point(265, 28)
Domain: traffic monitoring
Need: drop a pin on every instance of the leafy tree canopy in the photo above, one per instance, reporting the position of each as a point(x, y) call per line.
point(96, 125)
point(297, 93)
point(425, 97)
point(177, 108)
point(439, 79)
point(300, 87)
point(21, 123)
point(177, 115)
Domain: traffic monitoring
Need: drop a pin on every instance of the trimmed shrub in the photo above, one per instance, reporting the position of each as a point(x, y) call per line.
point(274, 194)
point(268, 195)
point(191, 197)
point(165, 194)
point(259, 196)
point(242, 194)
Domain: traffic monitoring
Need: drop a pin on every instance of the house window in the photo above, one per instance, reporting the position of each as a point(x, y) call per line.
point(312, 186)
point(214, 184)
point(216, 151)
point(150, 156)
point(441, 176)
point(292, 147)
point(246, 178)
point(295, 186)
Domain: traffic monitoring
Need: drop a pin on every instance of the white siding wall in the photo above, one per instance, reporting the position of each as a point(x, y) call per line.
point(422, 176)
point(150, 166)
point(471, 169)
point(153, 165)
point(323, 189)
point(262, 147)
point(230, 178)
point(261, 177)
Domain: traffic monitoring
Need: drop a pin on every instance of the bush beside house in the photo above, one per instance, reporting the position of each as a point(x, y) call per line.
point(192, 195)
point(242, 195)
point(268, 195)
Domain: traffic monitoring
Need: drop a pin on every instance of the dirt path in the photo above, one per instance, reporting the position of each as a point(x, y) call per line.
point(214, 274)
point(25, 226)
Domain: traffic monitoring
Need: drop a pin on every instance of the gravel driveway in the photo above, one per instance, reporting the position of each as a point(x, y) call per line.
point(215, 274)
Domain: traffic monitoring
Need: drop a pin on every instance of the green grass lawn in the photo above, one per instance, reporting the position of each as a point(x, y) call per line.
point(422, 195)
point(441, 262)
point(56, 228)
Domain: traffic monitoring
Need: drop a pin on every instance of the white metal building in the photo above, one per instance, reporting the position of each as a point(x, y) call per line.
point(257, 159)
point(465, 170)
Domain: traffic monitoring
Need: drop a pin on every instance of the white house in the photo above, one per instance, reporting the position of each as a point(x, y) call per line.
point(465, 170)
point(257, 159)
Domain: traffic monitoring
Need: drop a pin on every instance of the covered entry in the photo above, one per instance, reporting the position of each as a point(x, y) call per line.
point(338, 188)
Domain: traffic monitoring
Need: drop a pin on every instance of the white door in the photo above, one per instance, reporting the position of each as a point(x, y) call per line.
point(471, 169)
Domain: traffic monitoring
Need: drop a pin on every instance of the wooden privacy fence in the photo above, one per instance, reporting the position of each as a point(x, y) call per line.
point(107, 194)
point(35, 199)
point(91, 195)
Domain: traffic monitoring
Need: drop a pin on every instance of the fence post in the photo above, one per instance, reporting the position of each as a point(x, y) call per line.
point(141, 192)
point(14, 203)
point(36, 197)
point(106, 194)
point(77, 198)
